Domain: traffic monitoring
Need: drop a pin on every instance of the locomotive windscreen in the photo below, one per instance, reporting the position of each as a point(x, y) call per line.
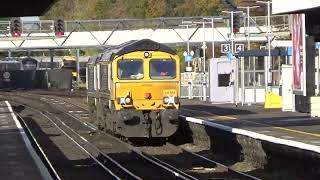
point(29, 64)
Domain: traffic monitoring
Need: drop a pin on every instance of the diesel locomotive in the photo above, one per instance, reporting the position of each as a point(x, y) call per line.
point(133, 89)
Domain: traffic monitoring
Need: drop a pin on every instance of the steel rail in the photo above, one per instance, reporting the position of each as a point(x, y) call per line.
point(82, 148)
point(175, 171)
point(38, 149)
point(178, 173)
point(229, 170)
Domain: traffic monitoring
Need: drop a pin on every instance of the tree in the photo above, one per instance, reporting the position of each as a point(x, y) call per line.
point(156, 8)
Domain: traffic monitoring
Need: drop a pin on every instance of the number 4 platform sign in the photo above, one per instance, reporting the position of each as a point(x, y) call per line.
point(238, 48)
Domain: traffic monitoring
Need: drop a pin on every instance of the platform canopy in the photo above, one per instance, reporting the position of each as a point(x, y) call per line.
point(294, 6)
point(18, 8)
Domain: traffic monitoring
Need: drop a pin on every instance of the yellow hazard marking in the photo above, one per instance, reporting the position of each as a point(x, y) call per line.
point(273, 101)
point(296, 131)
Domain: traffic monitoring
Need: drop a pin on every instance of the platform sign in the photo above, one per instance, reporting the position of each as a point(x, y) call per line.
point(299, 54)
point(238, 48)
point(231, 56)
point(225, 48)
point(188, 58)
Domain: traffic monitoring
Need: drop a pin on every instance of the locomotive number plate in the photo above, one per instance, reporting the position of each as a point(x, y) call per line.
point(170, 92)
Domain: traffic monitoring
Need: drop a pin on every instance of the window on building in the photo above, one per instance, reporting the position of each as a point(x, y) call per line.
point(223, 80)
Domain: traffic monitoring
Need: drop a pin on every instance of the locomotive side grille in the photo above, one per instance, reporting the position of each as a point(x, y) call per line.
point(103, 77)
point(90, 78)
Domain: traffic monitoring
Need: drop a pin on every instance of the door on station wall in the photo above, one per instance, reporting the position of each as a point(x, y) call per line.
point(221, 78)
point(287, 91)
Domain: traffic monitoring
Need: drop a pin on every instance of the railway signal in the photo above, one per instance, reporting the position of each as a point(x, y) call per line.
point(15, 27)
point(236, 23)
point(59, 27)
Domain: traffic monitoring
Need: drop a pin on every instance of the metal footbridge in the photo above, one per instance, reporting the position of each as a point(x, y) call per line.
point(103, 33)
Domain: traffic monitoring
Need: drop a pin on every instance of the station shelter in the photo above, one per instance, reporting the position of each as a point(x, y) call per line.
point(251, 83)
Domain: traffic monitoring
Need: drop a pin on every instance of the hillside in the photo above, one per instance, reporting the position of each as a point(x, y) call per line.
point(114, 9)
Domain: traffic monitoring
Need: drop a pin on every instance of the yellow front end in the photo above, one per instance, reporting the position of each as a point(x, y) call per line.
point(148, 95)
point(147, 92)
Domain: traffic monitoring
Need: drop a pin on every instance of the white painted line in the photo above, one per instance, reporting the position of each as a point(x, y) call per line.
point(255, 135)
point(43, 170)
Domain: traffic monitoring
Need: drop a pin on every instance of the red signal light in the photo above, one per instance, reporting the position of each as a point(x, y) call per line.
point(16, 34)
point(60, 33)
point(235, 30)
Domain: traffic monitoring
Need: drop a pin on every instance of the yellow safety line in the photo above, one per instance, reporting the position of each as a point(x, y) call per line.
point(224, 118)
point(296, 131)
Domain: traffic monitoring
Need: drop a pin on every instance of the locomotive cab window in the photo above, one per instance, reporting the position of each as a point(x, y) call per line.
point(162, 69)
point(130, 69)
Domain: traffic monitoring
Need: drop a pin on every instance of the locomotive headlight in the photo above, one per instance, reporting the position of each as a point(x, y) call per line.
point(147, 55)
point(121, 101)
point(166, 100)
point(128, 100)
point(169, 100)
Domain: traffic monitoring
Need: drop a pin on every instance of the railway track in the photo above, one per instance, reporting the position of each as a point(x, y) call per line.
point(133, 160)
point(36, 146)
point(115, 170)
point(197, 166)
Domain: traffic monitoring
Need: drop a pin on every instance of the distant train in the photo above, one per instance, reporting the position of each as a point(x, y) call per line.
point(134, 89)
point(12, 69)
point(70, 62)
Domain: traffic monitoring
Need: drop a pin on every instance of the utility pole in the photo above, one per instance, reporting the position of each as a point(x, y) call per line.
point(213, 27)
point(268, 64)
point(235, 79)
point(248, 22)
point(248, 48)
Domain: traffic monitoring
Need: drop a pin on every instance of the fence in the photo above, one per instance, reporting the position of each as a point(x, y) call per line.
point(46, 26)
point(192, 85)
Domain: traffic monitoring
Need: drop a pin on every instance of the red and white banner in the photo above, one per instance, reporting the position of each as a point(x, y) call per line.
point(298, 55)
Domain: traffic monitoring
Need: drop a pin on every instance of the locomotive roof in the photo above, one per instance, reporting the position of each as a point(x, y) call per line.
point(93, 59)
point(135, 45)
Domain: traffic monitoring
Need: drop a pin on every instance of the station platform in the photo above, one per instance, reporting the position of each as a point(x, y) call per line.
point(18, 159)
point(293, 129)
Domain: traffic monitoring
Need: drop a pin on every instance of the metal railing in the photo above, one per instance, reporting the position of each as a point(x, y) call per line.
point(46, 26)
point(192, 85)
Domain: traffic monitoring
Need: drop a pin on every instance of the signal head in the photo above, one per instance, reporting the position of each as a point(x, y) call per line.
point(59, 27)
point(15, 27)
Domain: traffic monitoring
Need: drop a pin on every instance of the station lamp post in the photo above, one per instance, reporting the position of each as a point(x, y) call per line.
point(188, 24)
point(268, 63)
point(248, 48)
point(232, 13)
point(248, 21)
point(213, 20)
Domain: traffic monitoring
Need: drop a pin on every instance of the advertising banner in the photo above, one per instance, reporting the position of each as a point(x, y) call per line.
point(299, 54)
